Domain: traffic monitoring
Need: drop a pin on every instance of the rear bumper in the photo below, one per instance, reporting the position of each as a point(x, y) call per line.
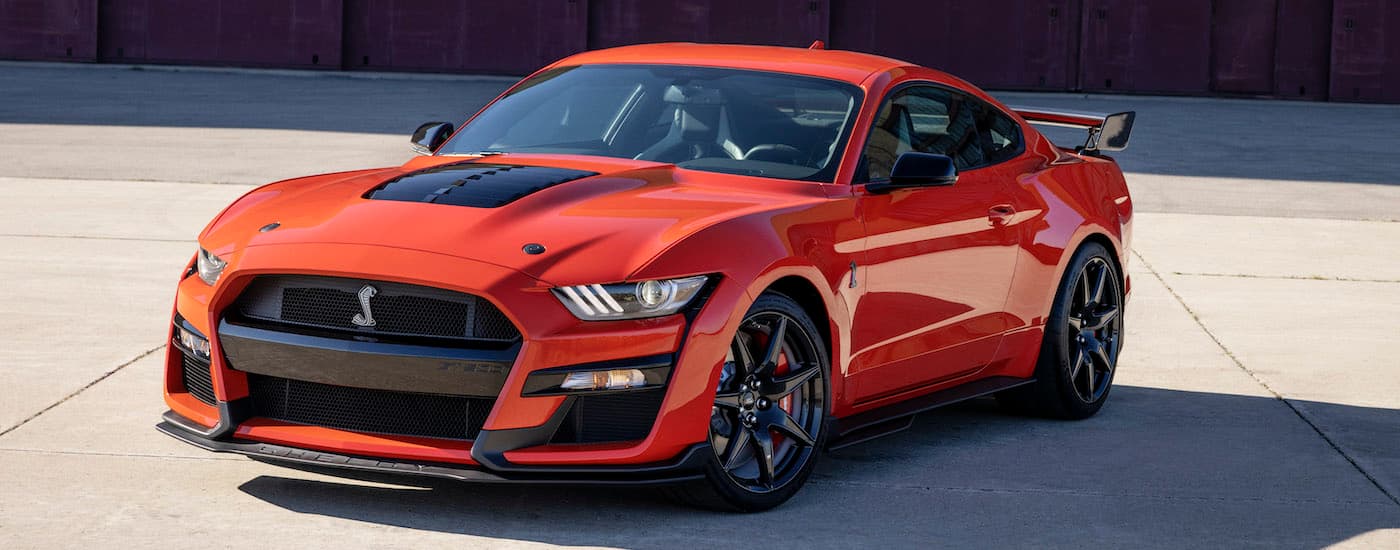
point(685, 467)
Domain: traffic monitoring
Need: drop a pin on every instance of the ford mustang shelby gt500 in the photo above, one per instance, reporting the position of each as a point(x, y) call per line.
point(679, 264)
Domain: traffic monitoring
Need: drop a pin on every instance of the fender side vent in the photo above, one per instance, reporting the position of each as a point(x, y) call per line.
point(473, 184)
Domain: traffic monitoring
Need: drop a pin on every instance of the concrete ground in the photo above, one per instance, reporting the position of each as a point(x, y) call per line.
point(1257, 401)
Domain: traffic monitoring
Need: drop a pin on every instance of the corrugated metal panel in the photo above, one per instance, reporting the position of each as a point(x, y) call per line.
point(1303, 53)
point(1365, 66)
point(468, 36)
point(1242, 57)
point(279, 33)
point(772, 22)
point(60, 30)
point(1146, 46)
point(1024, 44)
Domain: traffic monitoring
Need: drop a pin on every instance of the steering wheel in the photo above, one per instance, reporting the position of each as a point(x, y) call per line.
point(774, 152)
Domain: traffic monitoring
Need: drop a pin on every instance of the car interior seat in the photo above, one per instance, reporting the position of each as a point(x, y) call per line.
point(699, 127)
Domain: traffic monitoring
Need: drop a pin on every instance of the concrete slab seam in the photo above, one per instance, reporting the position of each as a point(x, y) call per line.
point(1287, 277)
point(65, 399)
point(1297, 411)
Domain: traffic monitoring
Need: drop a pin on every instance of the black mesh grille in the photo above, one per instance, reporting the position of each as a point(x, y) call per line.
point(197, 379)
point(397, 309)
point(626, 416)
point(363, 410)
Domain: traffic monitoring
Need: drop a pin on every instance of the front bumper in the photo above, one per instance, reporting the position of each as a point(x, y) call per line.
point(514, 443)
point(686, 467)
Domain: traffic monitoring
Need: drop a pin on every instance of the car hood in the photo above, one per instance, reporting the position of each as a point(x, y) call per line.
point(599, 220)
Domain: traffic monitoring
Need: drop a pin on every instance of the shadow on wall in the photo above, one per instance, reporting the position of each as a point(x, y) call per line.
point(1173, 136)
point(1157, 466)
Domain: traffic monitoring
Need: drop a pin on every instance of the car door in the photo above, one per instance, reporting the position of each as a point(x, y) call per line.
point(939, 260)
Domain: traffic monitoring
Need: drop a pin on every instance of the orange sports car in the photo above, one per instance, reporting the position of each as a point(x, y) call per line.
point(679, 264)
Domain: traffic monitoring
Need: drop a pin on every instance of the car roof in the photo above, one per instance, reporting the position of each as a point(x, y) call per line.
point(852, 67)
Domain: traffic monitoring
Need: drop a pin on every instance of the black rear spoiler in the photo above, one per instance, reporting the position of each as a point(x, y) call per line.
point(1106, 132)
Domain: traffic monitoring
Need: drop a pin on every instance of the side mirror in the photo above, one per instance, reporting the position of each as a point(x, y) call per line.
point(428, 137)
point(914, 169)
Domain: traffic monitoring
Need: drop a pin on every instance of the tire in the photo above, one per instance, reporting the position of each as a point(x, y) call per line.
point(1084, 330)
point(787, 415)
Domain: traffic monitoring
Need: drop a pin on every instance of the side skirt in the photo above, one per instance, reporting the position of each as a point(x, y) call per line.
point(890, 419)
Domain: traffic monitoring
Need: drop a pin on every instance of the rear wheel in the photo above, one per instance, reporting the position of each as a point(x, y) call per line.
point(1082, 338)
point(769, 416)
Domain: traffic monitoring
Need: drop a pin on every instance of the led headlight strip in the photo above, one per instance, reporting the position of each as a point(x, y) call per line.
point(654, 298)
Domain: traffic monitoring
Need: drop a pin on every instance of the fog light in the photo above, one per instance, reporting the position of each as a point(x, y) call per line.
point(192, 341)
point(604, 380)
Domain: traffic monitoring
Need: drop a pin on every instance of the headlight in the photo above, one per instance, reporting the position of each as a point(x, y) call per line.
point(191, 340)
point(209, 266)
point(630, 300)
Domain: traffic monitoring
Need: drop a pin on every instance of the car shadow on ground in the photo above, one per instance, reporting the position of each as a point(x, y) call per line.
point(1203, 468)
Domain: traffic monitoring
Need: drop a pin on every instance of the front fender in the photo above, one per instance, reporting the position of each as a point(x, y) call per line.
point(754, 253)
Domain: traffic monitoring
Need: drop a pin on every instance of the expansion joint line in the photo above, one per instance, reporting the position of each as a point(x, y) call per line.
point(1297, 411)
point(65, 399)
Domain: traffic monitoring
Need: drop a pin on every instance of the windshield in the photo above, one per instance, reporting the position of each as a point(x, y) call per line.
point(718, 120)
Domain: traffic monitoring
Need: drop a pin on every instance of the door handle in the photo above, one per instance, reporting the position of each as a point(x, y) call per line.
point(1001, 214)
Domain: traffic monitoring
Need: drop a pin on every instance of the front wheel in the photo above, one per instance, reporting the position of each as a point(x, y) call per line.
point(769, 416)
point(1082, 338)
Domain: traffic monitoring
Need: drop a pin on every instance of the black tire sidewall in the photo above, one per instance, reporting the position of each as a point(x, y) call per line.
point(737, 497)
point(1053, 368)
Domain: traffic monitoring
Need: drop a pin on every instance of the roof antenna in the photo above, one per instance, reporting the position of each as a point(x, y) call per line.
point(817, 45)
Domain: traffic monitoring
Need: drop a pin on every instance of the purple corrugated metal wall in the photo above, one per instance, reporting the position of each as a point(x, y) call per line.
point(269, 33)
point(1346, 50)
point(59, 30)
point(1365, 65)
point(780, 22)
point(466, 36)
point(1146, 46)
point(1303, 50)
point(1242, 46)
point(1022, 44)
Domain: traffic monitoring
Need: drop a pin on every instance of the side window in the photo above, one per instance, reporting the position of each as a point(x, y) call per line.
point(1000, 134)
point(923, 119)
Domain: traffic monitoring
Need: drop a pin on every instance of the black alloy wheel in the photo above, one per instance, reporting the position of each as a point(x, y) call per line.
point(768, 422)
point(1094, 323)
point(1083, 337)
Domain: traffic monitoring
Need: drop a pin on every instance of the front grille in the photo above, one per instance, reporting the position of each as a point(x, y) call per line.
point(197, 378)
point(602, 418)
point(332, 303)
point(365, 410)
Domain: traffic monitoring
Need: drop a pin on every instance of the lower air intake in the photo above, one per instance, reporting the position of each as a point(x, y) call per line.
point(370, 411)
point(197, 379)
point(603, 418)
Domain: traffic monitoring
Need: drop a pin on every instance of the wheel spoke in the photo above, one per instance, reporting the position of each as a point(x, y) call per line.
point(727, 400)
point(1075, 323)
point(1083, 290)
point(1100, 353)
point(1078, 363)
point(764, 453)
point(737, 444)
point(775, 346)
point(1090, 377)
point(1100, 282)
point(780, 388)
point(743, 358)
point(788, 425)
point(1104, 316)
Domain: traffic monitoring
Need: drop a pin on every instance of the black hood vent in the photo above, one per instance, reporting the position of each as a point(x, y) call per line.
point(473, 184)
